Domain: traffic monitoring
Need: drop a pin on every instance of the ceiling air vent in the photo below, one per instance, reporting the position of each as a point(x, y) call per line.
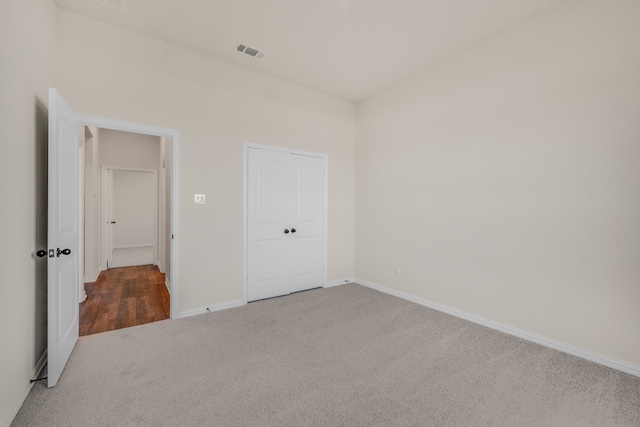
point(116, 4)
point(252, 52)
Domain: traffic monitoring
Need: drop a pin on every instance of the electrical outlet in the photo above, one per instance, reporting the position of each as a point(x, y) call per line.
point(396, 270)
point(198, 199)
point(213, 281)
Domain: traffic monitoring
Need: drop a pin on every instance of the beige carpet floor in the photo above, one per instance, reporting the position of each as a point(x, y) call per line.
point(344, 356)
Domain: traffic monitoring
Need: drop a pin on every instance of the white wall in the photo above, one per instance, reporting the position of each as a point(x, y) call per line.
point(506, 182)
point(134, 208)
point(27, 36)
point(129, 150)
point(107, 71)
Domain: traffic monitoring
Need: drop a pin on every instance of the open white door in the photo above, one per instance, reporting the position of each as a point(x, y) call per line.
point(62, 276)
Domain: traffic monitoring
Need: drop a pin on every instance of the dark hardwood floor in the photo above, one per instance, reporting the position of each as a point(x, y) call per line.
point(124, 297)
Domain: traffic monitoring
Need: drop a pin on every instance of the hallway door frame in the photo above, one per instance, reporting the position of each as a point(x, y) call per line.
point(107, 205)
point(174, 136)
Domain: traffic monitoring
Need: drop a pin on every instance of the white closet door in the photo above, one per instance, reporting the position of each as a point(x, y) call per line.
point(307, 242)
point(267, 208)
point(285, 223)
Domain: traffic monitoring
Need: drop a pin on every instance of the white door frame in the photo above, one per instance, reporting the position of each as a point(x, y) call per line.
point(174, 135)
point(106, 209)
point(245, 205)
point(105, 214)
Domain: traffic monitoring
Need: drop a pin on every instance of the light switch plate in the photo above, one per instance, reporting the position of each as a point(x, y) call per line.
point(198, 199)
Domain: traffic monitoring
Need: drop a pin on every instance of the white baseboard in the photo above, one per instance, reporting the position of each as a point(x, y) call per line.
point(591, 356)
point(338, 282)
point(139, 245)
point(37, 372)
point(211, 308)
point(94, 278)
point(167, 283)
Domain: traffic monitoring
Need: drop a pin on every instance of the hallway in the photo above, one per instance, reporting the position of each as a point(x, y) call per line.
point(124, 297)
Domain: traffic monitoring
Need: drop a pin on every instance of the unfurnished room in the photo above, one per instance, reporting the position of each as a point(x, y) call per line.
point(320, 213)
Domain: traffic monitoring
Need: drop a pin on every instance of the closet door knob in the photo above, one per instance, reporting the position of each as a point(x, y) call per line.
point(293, 230)
point(286, 231)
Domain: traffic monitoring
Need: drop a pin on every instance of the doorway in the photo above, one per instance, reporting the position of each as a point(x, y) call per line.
point(131, 211)
point(165, 162)
point(127, 209)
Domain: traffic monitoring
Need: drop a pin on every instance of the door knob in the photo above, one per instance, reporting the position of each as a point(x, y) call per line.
point(286, 231)
point(63, 252)
point(293, 230)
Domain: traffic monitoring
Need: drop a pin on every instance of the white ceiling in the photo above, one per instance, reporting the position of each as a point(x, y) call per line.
point(350, 49)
